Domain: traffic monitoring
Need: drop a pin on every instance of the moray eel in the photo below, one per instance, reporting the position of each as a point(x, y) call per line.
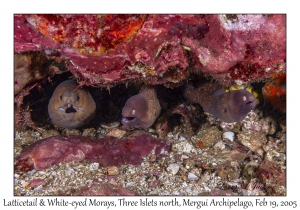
point(231, 106)
point(141, 110)
point(70, 107)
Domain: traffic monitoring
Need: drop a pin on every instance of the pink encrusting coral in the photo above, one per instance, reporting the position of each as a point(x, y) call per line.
point(264, 38)
point(107, 151)
point(27, 38)
point(159, 49)
point(241, 48)
point(150, 55)
point(88, 34)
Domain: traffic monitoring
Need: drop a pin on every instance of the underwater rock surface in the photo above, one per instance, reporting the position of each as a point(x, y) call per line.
point(158, 49)
point(107, 151)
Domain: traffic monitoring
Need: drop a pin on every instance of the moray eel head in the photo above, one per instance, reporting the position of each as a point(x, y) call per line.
point(68, 99)
point(71, 107)
point(134, 111)
point(241, 103)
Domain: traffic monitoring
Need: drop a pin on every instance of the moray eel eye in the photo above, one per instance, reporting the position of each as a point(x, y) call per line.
point(244, 98)
point(133, 111)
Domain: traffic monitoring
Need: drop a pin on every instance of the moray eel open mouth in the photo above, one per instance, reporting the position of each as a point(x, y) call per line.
point(69, 108)
point(128, 120)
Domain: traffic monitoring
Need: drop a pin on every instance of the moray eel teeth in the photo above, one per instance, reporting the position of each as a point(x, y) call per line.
point(71, 107)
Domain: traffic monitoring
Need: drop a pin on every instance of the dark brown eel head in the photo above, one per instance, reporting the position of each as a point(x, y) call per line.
point(135, 111)
point(241, 102)
point(70, 107)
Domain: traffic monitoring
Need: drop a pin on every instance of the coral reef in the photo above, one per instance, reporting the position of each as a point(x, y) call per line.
point(186, 151)
point(27, 38)
point(241, 48)
point(88, 34)
point(159, 49)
